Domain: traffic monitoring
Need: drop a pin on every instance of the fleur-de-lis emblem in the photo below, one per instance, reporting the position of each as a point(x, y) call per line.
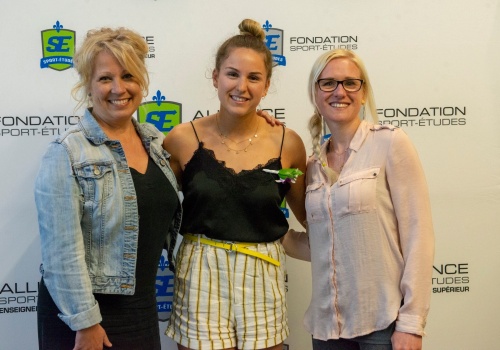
point(267, 26)
point(57, 26)
point(158, 98)
point(163, 264)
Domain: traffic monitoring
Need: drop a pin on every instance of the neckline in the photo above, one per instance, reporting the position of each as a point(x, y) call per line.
point(223, 165)
point(135, 171)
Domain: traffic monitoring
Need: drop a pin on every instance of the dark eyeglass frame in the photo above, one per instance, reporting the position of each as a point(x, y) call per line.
point(340, 82)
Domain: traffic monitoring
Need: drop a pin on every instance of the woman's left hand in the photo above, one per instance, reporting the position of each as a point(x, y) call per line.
point(271, 120)
point(406, 341)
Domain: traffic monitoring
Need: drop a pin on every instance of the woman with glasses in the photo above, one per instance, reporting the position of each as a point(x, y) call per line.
point(368, 217)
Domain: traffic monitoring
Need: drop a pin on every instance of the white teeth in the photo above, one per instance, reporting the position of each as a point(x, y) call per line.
point(119, 102)
point(239, 99)
point(339, 105)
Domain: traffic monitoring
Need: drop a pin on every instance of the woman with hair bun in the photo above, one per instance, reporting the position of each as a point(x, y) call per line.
point(230, 273)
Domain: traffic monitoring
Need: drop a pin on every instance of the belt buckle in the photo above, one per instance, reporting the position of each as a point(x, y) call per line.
point(232, 246)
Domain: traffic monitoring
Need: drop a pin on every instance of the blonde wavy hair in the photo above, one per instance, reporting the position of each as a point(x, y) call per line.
point(316, 121)
point(128, 47)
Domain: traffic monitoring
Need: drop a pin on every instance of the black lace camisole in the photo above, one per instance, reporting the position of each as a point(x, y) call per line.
point(225, 205)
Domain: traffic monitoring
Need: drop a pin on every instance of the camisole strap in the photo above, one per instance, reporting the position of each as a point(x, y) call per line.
point(195, 132)
point(282, 139)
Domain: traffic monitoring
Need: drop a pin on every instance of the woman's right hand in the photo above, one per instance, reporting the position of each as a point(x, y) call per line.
point(270, 119)
point(92, 338)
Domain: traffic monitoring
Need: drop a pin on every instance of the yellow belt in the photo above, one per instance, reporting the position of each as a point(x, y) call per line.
point(233, 246)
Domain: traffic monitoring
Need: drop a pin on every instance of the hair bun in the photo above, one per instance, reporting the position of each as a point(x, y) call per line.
point(253, 28)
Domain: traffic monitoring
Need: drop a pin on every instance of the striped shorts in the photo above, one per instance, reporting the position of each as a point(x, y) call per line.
point(224, 299)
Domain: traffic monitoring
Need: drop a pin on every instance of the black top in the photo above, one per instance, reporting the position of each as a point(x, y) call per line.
point(157, 201)
point(225, 205)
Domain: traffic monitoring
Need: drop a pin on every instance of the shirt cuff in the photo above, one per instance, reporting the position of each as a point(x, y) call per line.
point(411, 324)
point(84, 319)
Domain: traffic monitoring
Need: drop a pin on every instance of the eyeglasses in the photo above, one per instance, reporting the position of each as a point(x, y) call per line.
point(329, 85)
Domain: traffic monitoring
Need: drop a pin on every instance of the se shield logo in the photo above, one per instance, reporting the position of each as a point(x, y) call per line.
point(164, 290)
point(274, 42)
point(58, 46)
point(161, 113)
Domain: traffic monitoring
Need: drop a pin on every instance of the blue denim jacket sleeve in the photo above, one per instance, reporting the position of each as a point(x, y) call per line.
point(59, 203)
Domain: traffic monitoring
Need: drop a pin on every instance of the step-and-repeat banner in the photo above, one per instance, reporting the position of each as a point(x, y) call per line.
point(434, 66)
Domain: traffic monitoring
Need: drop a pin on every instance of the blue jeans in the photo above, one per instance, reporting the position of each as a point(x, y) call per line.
point(378, 340)
point(346, 344)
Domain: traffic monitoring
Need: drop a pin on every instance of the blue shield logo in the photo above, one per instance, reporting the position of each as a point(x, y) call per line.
point(164, 289)
point(161, 113)
point(58, 47)
point(274, 42)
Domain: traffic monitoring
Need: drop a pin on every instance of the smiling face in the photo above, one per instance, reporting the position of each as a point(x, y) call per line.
point(115, 94)
point(241, 81)
point(339, 106)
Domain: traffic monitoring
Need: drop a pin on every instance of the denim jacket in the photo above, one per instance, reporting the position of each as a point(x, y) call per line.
point(88, 217)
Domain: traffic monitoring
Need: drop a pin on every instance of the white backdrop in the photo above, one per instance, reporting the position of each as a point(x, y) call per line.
point(435, 71)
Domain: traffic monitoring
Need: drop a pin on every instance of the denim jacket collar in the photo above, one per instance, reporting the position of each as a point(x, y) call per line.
point(94, 133)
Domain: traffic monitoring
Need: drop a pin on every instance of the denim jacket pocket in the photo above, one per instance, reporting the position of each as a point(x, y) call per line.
point(316, 203)
point(356, 193)
point(96, 180)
